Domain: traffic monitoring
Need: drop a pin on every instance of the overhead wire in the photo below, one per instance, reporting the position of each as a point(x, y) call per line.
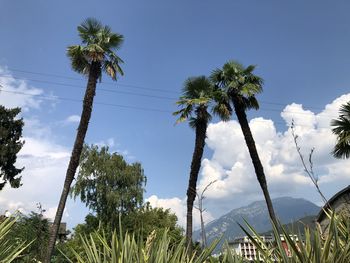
point(124, 106)
point(117, 92)
point(118, 84)
point(106, 83)
point(78, 100)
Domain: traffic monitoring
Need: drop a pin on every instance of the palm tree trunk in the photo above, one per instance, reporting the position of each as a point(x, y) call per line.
point(75, 157)
point(201, 129)
point(259, 170)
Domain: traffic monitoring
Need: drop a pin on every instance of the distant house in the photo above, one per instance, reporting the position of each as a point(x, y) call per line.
point(339, 203)
point(245, 248)
point(62, 233)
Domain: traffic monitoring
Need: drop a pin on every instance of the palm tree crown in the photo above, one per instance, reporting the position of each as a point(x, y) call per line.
point(196, 96)
point(342, 131)
point(99, 46)
point(239, 83)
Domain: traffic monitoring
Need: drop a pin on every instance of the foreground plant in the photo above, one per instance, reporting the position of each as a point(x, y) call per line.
point(10, 250)
point(157, 248)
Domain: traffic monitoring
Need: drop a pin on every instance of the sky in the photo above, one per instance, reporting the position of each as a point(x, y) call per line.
point(301, 49)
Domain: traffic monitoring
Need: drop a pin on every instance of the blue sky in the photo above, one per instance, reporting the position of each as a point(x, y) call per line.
point(301, 49)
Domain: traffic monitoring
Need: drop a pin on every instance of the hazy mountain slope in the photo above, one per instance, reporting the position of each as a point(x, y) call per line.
point(288, 210)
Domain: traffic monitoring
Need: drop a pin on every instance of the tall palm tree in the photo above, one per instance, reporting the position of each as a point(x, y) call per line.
point(342, 131)
point(96, 54)
point(195, 100)
point(241, 86)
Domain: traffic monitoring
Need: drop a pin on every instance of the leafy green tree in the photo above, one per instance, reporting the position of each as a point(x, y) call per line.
point(32, 228)
point(10, 144)
point(96, 54)
point(108, 185)
point(341, 128)
point(197, 94)
point(146, 219)
point(240, 85)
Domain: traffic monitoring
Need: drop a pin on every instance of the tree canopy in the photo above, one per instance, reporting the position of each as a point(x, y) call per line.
point(108, 185)
point(10, 144)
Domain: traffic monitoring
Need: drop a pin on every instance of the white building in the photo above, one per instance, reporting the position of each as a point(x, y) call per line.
point(244, 247)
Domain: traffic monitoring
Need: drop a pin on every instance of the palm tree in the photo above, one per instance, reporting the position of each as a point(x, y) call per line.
point(96, 54)
point(196, 97)
point(342, 131)
point(241, 85)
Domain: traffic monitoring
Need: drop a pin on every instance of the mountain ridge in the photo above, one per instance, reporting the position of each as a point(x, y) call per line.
point(287, 209)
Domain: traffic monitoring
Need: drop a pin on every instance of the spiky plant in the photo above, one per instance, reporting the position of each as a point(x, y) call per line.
point(9, 250)
point(129, 249)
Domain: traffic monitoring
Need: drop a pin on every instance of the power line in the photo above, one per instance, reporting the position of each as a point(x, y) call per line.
point(80, 87)
point(80, 101)
point(107, 83)
point(117, 84)
point(125, 106)
point(132, 93)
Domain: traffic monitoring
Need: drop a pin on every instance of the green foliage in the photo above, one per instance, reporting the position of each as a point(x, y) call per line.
point(34, 228)
point(156, 248)
point(196, 95)
point(108, 185)
point(147, 219)
point(99, 45)
point(239, 83)
point(10, 145)
point(341, 128)
point(10, 249)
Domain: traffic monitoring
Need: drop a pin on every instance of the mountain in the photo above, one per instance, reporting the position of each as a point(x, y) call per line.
point(287, 209)
point(298, 226)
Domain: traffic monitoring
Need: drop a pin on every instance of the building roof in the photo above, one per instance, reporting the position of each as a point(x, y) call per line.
point(331, 201)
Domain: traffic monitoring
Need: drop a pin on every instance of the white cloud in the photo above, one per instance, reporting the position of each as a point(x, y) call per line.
point(45, 163)
point(17, 93)
point(44, 160)
point(110, 142)
point(72, 119)
point(178, 207)
point(230, 164)
point(51, 212)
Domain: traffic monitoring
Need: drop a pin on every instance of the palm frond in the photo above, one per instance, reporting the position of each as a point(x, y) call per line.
point(196, 94)
point(239, 83)
point(89, 29)
point(99, 46)
point(341, 128)
point(221, 107)
point(78, 59)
